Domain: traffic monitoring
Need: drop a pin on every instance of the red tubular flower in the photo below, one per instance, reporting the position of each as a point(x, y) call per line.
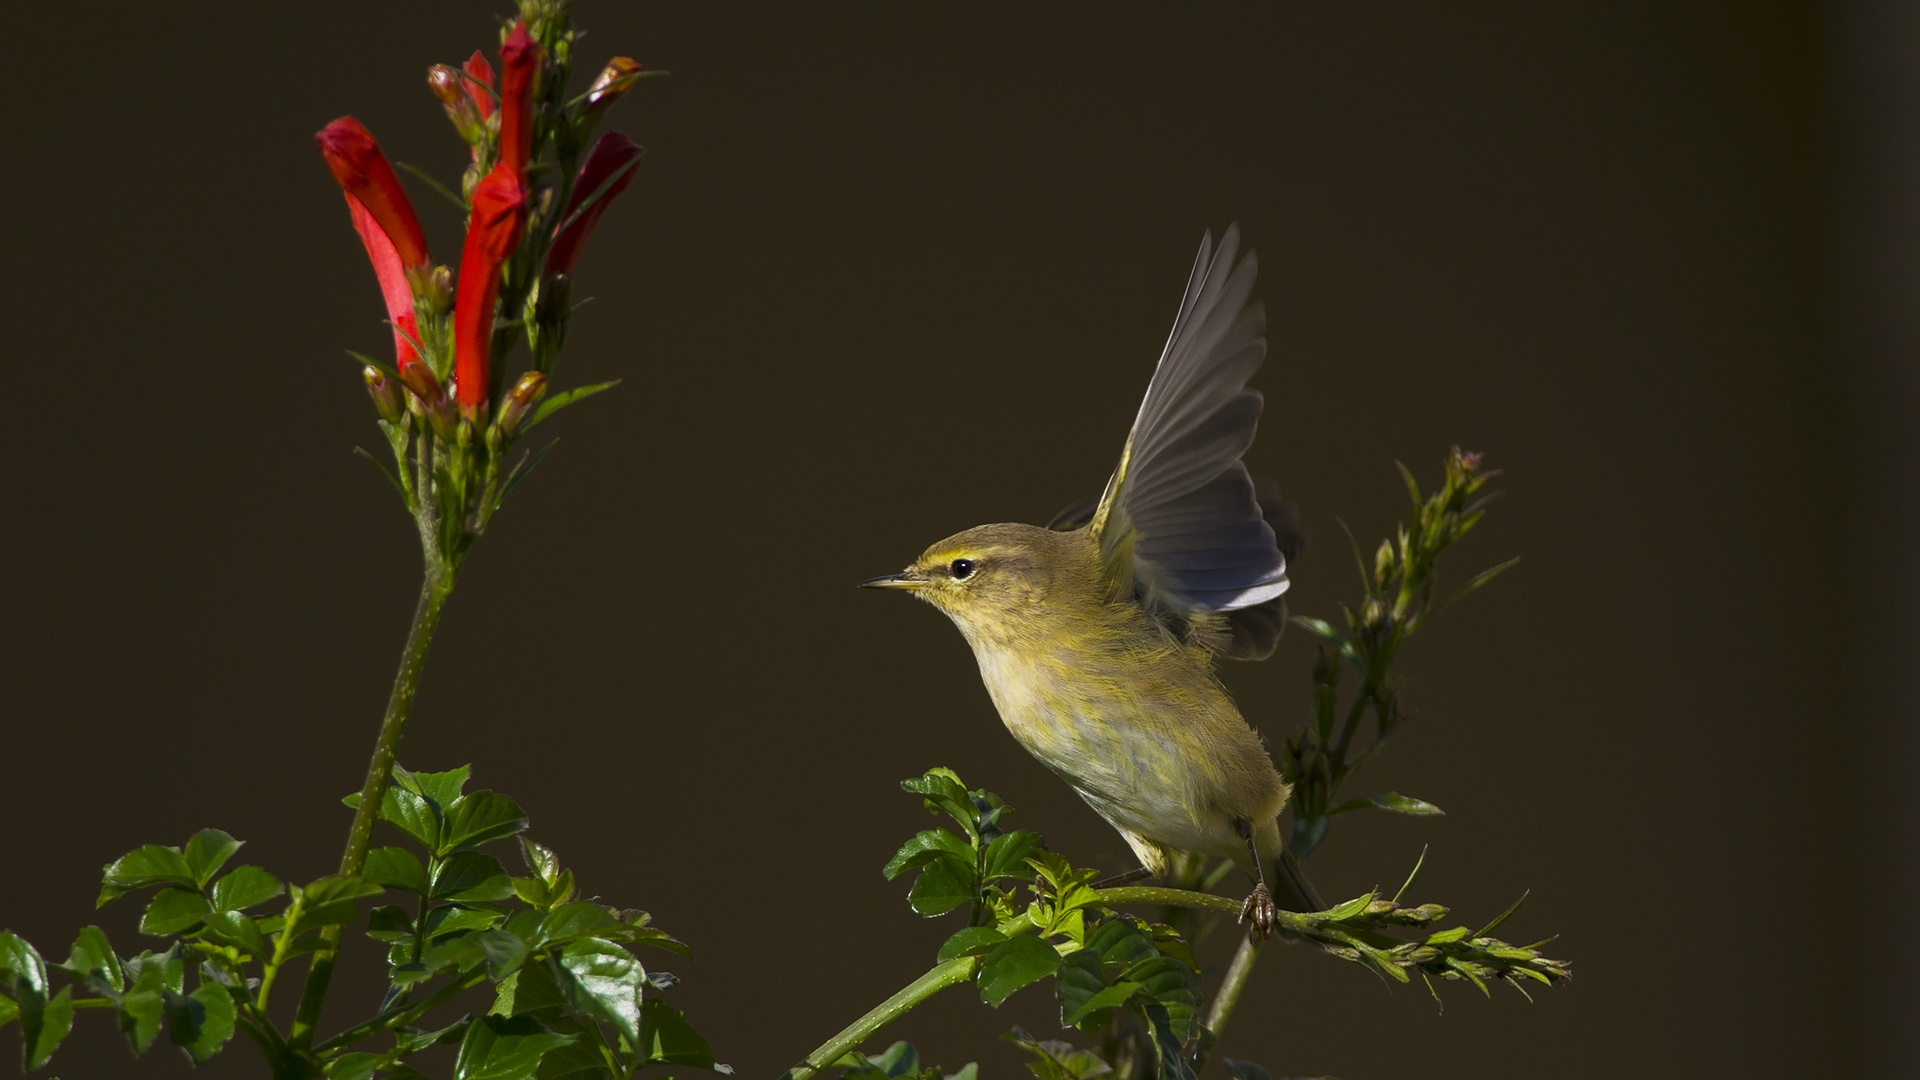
point(384, 218)
point(608, 170)
point(499, 216)
point(482, 71)
point(519, 63)
point(364, 174)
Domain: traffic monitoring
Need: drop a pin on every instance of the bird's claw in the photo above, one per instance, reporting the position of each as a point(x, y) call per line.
point(1259, 914)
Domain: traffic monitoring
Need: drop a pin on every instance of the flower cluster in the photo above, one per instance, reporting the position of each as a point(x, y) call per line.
point(444, 402)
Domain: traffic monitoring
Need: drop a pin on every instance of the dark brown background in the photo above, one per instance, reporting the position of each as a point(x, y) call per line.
point(891, 271)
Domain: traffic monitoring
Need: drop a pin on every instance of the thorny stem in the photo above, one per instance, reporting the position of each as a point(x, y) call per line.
point(951, 973)
point(434, 591)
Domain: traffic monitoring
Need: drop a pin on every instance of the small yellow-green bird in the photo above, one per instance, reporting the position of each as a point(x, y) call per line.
point(1098, 642)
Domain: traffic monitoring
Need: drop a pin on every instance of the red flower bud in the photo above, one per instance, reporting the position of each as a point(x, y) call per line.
point(482, 72)
point(520, 58)
point(363, 173)
point(499, 217)
point(608, 170)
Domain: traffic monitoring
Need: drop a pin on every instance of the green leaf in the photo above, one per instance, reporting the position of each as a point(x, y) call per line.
point(505, 952)
point(9, 1012)
point(972, 941)
point(533, 991)
point(474, 819)
point(1121, 941)
point(355, 1066)
point(173, 910)
point(555, 402)
point(569, 921)
point(141, 867)
point(41, 1034)
point(408, 811)
point(1392, 800)
point(1351, 908)
point(243, 887)
point(1447, 937)
point(1007, 854)
point(390, 923)
point(497, 1048)
point(140, 1014)
point(579, 1060)
point(93, 958)
point(942, 791)
point(20, 963)
point(443, 787)
point(605, 981)
point(1166, 1040)
point(330, 900)
point(926, 846)
point(943, 885)
point(442, 921)
point(396, 868)
point(201, 1022)
point(207, 851)
point(666, 1038)
point(1058, 1060)
point(1015, 964)
point(413, 1041)
point(1080, 979)
point(471, 877)
point(540, 860)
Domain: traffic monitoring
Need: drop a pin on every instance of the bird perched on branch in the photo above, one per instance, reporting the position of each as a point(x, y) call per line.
point(1097, 637)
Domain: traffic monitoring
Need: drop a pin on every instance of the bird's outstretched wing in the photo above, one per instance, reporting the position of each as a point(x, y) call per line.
point(1179, 525)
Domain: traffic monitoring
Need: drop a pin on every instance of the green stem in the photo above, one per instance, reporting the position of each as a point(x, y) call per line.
point(426, 616)
point(1228, 995)
point(1152, 894)
point(951, 973)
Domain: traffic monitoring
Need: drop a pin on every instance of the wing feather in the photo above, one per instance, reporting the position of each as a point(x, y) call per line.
point(1179, 523)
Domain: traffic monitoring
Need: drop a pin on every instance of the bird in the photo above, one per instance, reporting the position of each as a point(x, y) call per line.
point(1098, 635)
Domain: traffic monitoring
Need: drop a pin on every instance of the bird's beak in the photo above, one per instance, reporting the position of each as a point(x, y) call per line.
point(906, 579)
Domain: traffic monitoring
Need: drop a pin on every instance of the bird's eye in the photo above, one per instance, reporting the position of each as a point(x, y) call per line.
point(961, 569)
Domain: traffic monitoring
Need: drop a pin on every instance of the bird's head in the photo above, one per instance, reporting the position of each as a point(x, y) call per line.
point(994, 580)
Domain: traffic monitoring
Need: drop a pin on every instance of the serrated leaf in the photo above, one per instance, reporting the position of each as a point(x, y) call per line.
point(443, 787)
point(498, 1048)
point(1081, 985)
point(1017, 963)
point(971, 941)
point(9, 1012)
point(140, 1013)
point(173, 910)
point(395, 868)
point(390, 923)
point(142, 867)
point(572, 920)
point(239, 931)
point(206, 852)
point(475, 819)
point(354, 1066)
point(211, 1009)
point(44, 1026)
point(580, 1060)
point(926, 846)
point(943, 884)
point(1007, 854)
point(666, 1038)
point(534, 990)
point(505, 952)
point(540, 860)
point(93, 957)
point(605, 981)
point(243, 887)
point(471, 877)
point(1119, 941)
point(442, 921)
point(330, 901)
point(407, 811)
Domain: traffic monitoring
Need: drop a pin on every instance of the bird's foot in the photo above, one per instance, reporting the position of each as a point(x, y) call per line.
point(1259, 914)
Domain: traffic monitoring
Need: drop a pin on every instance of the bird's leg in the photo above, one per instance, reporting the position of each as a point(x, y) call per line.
point(1258, 912)
point(1138, 873)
